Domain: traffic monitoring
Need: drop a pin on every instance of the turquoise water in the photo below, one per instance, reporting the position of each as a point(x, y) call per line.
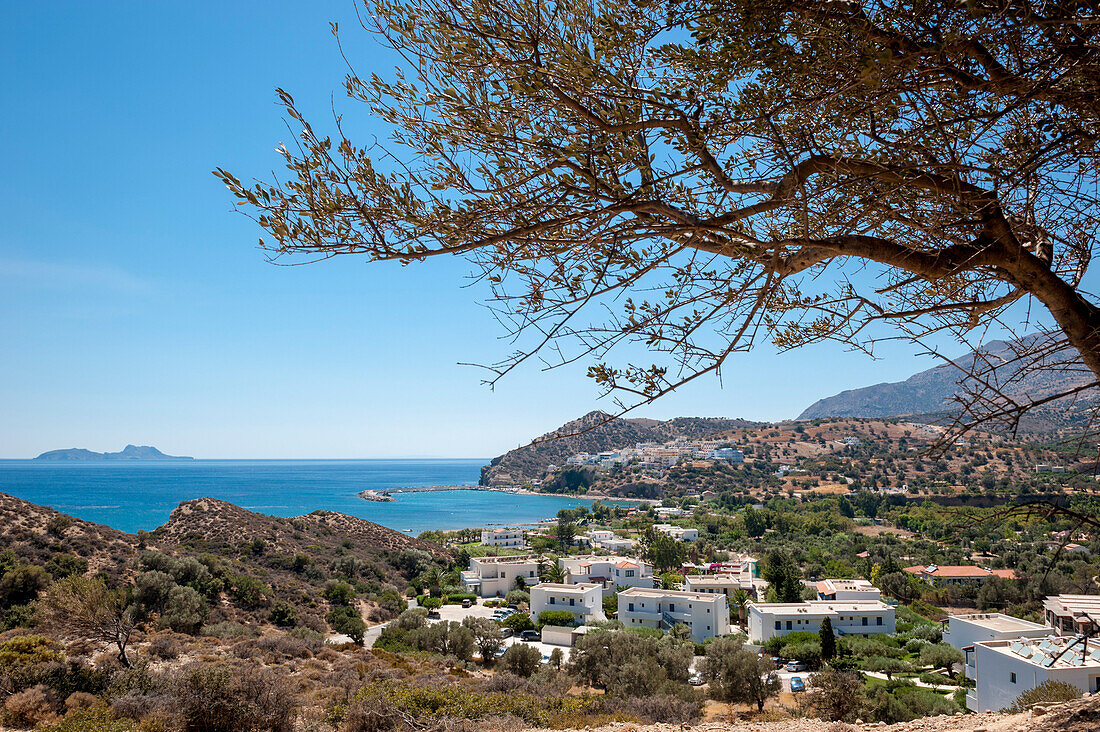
point(140, 495)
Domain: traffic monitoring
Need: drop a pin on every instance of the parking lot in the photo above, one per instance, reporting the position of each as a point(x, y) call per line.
point(457, 613)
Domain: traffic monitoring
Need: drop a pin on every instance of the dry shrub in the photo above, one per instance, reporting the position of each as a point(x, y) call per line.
point(275, 648)
point(166, 646)
point(219, 698)
point(30, 707)
point(81, 700)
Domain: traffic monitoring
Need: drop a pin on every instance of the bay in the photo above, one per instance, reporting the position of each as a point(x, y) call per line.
point(140, 495)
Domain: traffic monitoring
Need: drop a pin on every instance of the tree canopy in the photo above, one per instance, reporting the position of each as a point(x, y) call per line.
point(696, 176)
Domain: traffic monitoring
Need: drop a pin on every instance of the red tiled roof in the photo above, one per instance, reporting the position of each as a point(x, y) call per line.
point(952, 571)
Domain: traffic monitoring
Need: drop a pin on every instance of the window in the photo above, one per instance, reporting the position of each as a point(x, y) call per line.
point(551, 601)
point(865, 621)
point(788, 625)
point(630, 607)
point(630, 573)
point(878, 621)
point(778, 625)
point(571, 602)
point(672, 607)
point(1012, 677)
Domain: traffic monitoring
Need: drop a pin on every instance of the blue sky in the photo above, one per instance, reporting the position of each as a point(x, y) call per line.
point(134, 306)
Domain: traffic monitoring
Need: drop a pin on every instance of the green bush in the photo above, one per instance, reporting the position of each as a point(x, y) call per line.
point(521, 659)
point(347, 620)
point(556, 617)
point(284, 614)
point(91, 719)
point(457, 598)
point(519, 622)
point(1047, 692)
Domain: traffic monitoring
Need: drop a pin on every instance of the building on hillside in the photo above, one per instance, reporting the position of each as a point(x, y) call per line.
point(1004, 669)
point(679, 533)
point(504, 538)
point(584, 600)
point(963, 631)
point(862, 617)
point(725, 584)
point(1073, 614)
point(666, 512)
point(847, 589)
point(605, 539)
point(610, 572)
point(728, 454)
point(966, 574)
point(707, 616)
point(496, 576)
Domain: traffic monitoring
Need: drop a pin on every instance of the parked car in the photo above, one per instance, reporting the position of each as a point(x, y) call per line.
point(434, 615)
point(506, 632)
point(529, 635)
point(696, 679)
point(466, 603)
point(796, 684)
point(796, 666)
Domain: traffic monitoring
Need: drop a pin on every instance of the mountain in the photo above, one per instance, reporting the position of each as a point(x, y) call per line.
point(130, 452)
point(930, 392)
point(594, 433)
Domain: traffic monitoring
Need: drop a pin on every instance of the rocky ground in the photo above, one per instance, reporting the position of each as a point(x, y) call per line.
point(1079, 716)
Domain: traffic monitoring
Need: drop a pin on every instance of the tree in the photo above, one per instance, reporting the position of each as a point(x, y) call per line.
point(836, 695)
point(740, 603)
point(738, 675)
point(665, 552)
point(554, 573)
point(85, 607)
point(284, 614)
point(521, 659)
point(711, 174)
point(566, 532)
point(783, 576)
point(885, 665)
point(940, 655)
point(627, 663)
point(22, 584)
point(185, 611)
point(347, 620)
point(828, 640)
point(488, 637)
point(755, 523)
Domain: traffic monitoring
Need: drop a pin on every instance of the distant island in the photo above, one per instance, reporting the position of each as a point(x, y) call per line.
point(130, 452)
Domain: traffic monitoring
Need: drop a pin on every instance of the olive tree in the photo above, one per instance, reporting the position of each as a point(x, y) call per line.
point(736, 674)
point(87, 608)
point(698, 177)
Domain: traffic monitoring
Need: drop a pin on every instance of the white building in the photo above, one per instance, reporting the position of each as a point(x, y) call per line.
point(678, 533)
point(504, 538)
point(847, 589)
point(1005, 669)
point(705, 615)
point(584, 600)
point(963, 631)
point(862, 617)
point(605, 539)
point(496, 576)
point(724, 584)
point(609, 572)
point(1073, 614)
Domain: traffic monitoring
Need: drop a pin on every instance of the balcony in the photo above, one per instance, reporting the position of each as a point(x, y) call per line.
point(645, 615)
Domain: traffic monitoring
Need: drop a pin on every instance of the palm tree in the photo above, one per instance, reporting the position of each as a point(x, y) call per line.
point(555, 573)
point(432, 578)
point(740, 601)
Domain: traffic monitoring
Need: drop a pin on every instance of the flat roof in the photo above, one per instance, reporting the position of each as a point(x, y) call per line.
point(646, 592)
point(1050, 652)
point(712, 579)
point(559, 586)
point(821, 606)
point(999, 621)
point(506, 559)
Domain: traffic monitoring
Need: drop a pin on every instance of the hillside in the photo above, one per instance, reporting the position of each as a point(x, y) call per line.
point(930, 391)
point(130, 452)
point(587, 434)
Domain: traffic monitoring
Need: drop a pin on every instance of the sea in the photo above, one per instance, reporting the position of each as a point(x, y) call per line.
point(133, 495)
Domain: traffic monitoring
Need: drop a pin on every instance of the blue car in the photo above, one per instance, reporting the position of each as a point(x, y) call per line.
point(796, 684)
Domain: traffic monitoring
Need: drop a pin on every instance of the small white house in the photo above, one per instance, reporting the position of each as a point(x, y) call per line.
point(1004, 669)
point(679, 533)
point(847, 589)
point(504, 538)
point(584, 600)
point(963, 631)
point(496, 576)
point(610, 572)
point(863, 617)
point(705, 615)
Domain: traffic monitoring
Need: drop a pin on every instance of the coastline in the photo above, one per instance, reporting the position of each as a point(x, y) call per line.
point(387, 495)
